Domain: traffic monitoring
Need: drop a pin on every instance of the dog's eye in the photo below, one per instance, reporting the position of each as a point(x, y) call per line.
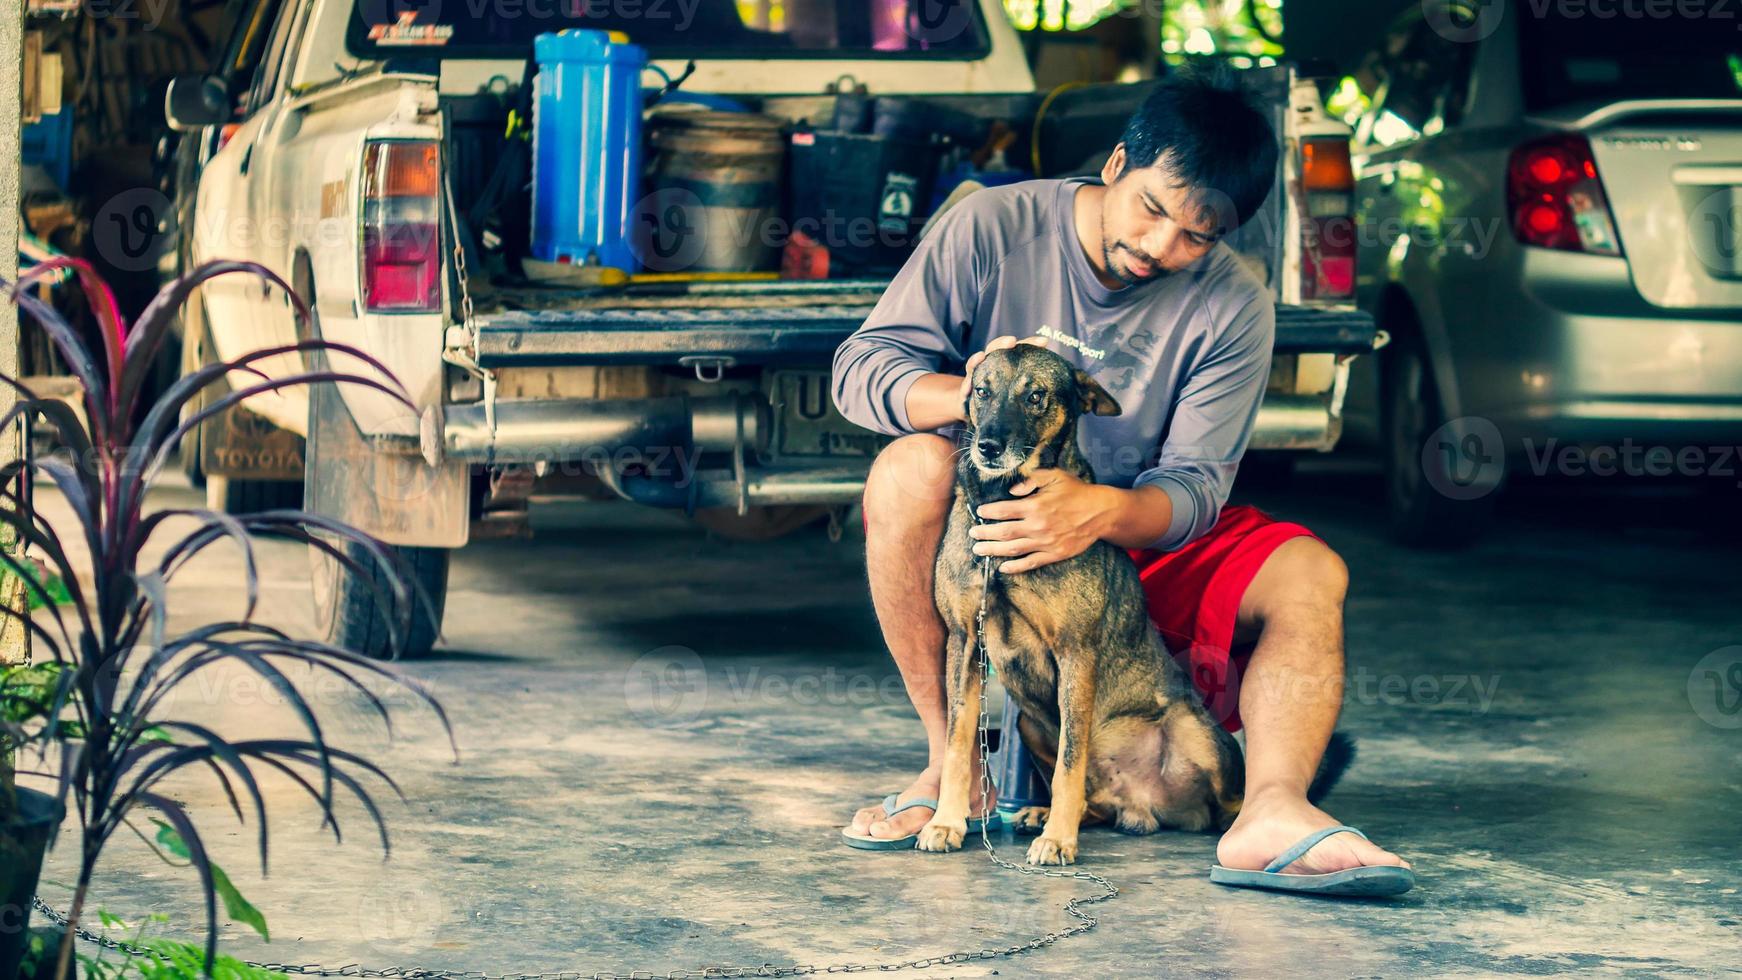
point(1036, 397)
point(981, 391)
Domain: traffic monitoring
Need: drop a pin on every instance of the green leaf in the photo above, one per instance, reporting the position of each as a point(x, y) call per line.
point(239, 909)
point(110, 920)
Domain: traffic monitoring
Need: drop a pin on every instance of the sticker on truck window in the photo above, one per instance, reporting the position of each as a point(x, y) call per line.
point(408, 33)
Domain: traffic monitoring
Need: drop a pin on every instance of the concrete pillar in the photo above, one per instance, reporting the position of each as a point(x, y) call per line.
point(13, 647)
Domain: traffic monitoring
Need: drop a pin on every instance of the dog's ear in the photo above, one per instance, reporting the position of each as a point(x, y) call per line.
point(1095, 400)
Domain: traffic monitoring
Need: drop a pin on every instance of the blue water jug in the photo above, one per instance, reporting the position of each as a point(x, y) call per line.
point(586, 147)
point(1014, 769)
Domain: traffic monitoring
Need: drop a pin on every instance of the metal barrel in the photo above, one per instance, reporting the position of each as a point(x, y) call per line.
point(714, 200)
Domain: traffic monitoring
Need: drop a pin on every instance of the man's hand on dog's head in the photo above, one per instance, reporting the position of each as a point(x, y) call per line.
point(996, 343)
point(1057, 516)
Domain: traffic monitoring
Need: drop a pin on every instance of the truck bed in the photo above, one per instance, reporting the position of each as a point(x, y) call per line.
point(763, 322)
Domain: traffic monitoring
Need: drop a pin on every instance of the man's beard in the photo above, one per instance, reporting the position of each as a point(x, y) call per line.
point(1123, 273)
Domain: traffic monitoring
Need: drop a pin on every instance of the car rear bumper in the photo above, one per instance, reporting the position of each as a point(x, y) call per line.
point(1578, 355)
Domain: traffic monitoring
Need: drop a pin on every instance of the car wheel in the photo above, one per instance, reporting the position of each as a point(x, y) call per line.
point(1430, 500)
point(354, 616)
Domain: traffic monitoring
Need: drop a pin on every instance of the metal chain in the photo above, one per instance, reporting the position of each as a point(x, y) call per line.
point(1074, 907)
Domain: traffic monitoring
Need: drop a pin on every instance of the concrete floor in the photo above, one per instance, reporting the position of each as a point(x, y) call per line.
point(660, 734)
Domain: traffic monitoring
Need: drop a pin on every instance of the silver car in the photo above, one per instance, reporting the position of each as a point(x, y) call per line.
point(1549, 205)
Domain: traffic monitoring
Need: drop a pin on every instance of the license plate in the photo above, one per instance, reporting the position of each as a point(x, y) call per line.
point(806, 423)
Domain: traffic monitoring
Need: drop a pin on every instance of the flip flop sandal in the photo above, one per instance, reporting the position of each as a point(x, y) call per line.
point(865, 842)
point(1366, 882)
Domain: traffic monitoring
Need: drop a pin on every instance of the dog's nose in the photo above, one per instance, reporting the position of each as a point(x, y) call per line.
point(989, 447)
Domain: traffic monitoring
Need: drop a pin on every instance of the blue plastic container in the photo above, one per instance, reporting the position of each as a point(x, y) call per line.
point(586, 147)
point(1013, 767)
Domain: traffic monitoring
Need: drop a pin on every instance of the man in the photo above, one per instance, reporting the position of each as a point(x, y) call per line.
point(1127, 278)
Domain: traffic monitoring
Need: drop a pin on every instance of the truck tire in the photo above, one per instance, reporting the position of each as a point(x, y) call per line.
point(251, 496)
point(351, 616)
point(348, 612)
point(1422, 513)
point(228, 494)
point(190, 361)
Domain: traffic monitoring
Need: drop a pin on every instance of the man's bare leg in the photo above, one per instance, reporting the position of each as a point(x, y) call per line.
point(907, 503)
point(1289, 700)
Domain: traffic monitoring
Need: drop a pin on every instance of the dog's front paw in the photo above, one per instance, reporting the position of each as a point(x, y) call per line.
point(1046, 850)
point(941, 835)
point(1030, 819)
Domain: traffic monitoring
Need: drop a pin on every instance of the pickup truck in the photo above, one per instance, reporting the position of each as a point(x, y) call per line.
point(700, 395)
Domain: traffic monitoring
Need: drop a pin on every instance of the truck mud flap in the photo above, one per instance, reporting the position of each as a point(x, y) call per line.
point(388, 491)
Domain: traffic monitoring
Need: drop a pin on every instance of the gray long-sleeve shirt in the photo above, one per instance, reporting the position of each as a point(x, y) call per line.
point(1186, 357)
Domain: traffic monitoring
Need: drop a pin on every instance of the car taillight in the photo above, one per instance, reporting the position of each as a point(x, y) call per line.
point(1556, 198)
point(1328, 227)
point(401, 226)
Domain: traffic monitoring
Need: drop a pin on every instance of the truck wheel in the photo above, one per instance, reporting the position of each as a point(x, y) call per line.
point(352, 615)
point(1423, 513)
point(251, 496)
point(190, 362)
point(232, 496)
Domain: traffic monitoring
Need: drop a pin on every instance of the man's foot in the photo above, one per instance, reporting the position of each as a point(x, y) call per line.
point(873, 822)
point(1270, 823)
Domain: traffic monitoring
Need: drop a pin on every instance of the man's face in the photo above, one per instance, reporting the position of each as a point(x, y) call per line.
point(1151, 223)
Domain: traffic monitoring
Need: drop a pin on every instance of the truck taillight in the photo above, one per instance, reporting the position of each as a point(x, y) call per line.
point(1556, 198)
point(402, 226)
point(1327, 245)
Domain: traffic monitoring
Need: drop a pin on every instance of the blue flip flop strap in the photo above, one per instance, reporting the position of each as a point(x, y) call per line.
point(1306, 844)
point(890, 808)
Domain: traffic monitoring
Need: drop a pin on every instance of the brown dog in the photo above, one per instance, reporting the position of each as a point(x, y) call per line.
point(1101, 698)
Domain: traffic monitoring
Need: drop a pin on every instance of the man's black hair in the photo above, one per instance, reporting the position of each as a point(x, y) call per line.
point(1205, 129)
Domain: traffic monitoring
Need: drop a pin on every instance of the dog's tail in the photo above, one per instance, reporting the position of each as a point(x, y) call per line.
point(1339, 754)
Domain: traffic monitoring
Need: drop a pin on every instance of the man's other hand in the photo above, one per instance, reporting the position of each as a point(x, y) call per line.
point(1057, 516)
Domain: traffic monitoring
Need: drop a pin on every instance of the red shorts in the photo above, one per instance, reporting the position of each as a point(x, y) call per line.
point(1194, 597)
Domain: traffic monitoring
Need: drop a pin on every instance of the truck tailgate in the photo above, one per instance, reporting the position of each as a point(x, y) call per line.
point(772, 323)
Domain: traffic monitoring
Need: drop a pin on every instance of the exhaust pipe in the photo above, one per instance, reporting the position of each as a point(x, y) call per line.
point(529, 431)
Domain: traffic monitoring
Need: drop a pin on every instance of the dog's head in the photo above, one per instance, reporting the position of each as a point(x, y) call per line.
point(1022, 411)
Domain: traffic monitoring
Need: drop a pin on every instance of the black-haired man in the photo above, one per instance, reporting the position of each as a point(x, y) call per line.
point(1127, 278)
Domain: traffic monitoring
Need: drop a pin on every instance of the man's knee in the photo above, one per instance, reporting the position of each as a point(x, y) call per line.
point(912, 478)
point(1303, 574)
